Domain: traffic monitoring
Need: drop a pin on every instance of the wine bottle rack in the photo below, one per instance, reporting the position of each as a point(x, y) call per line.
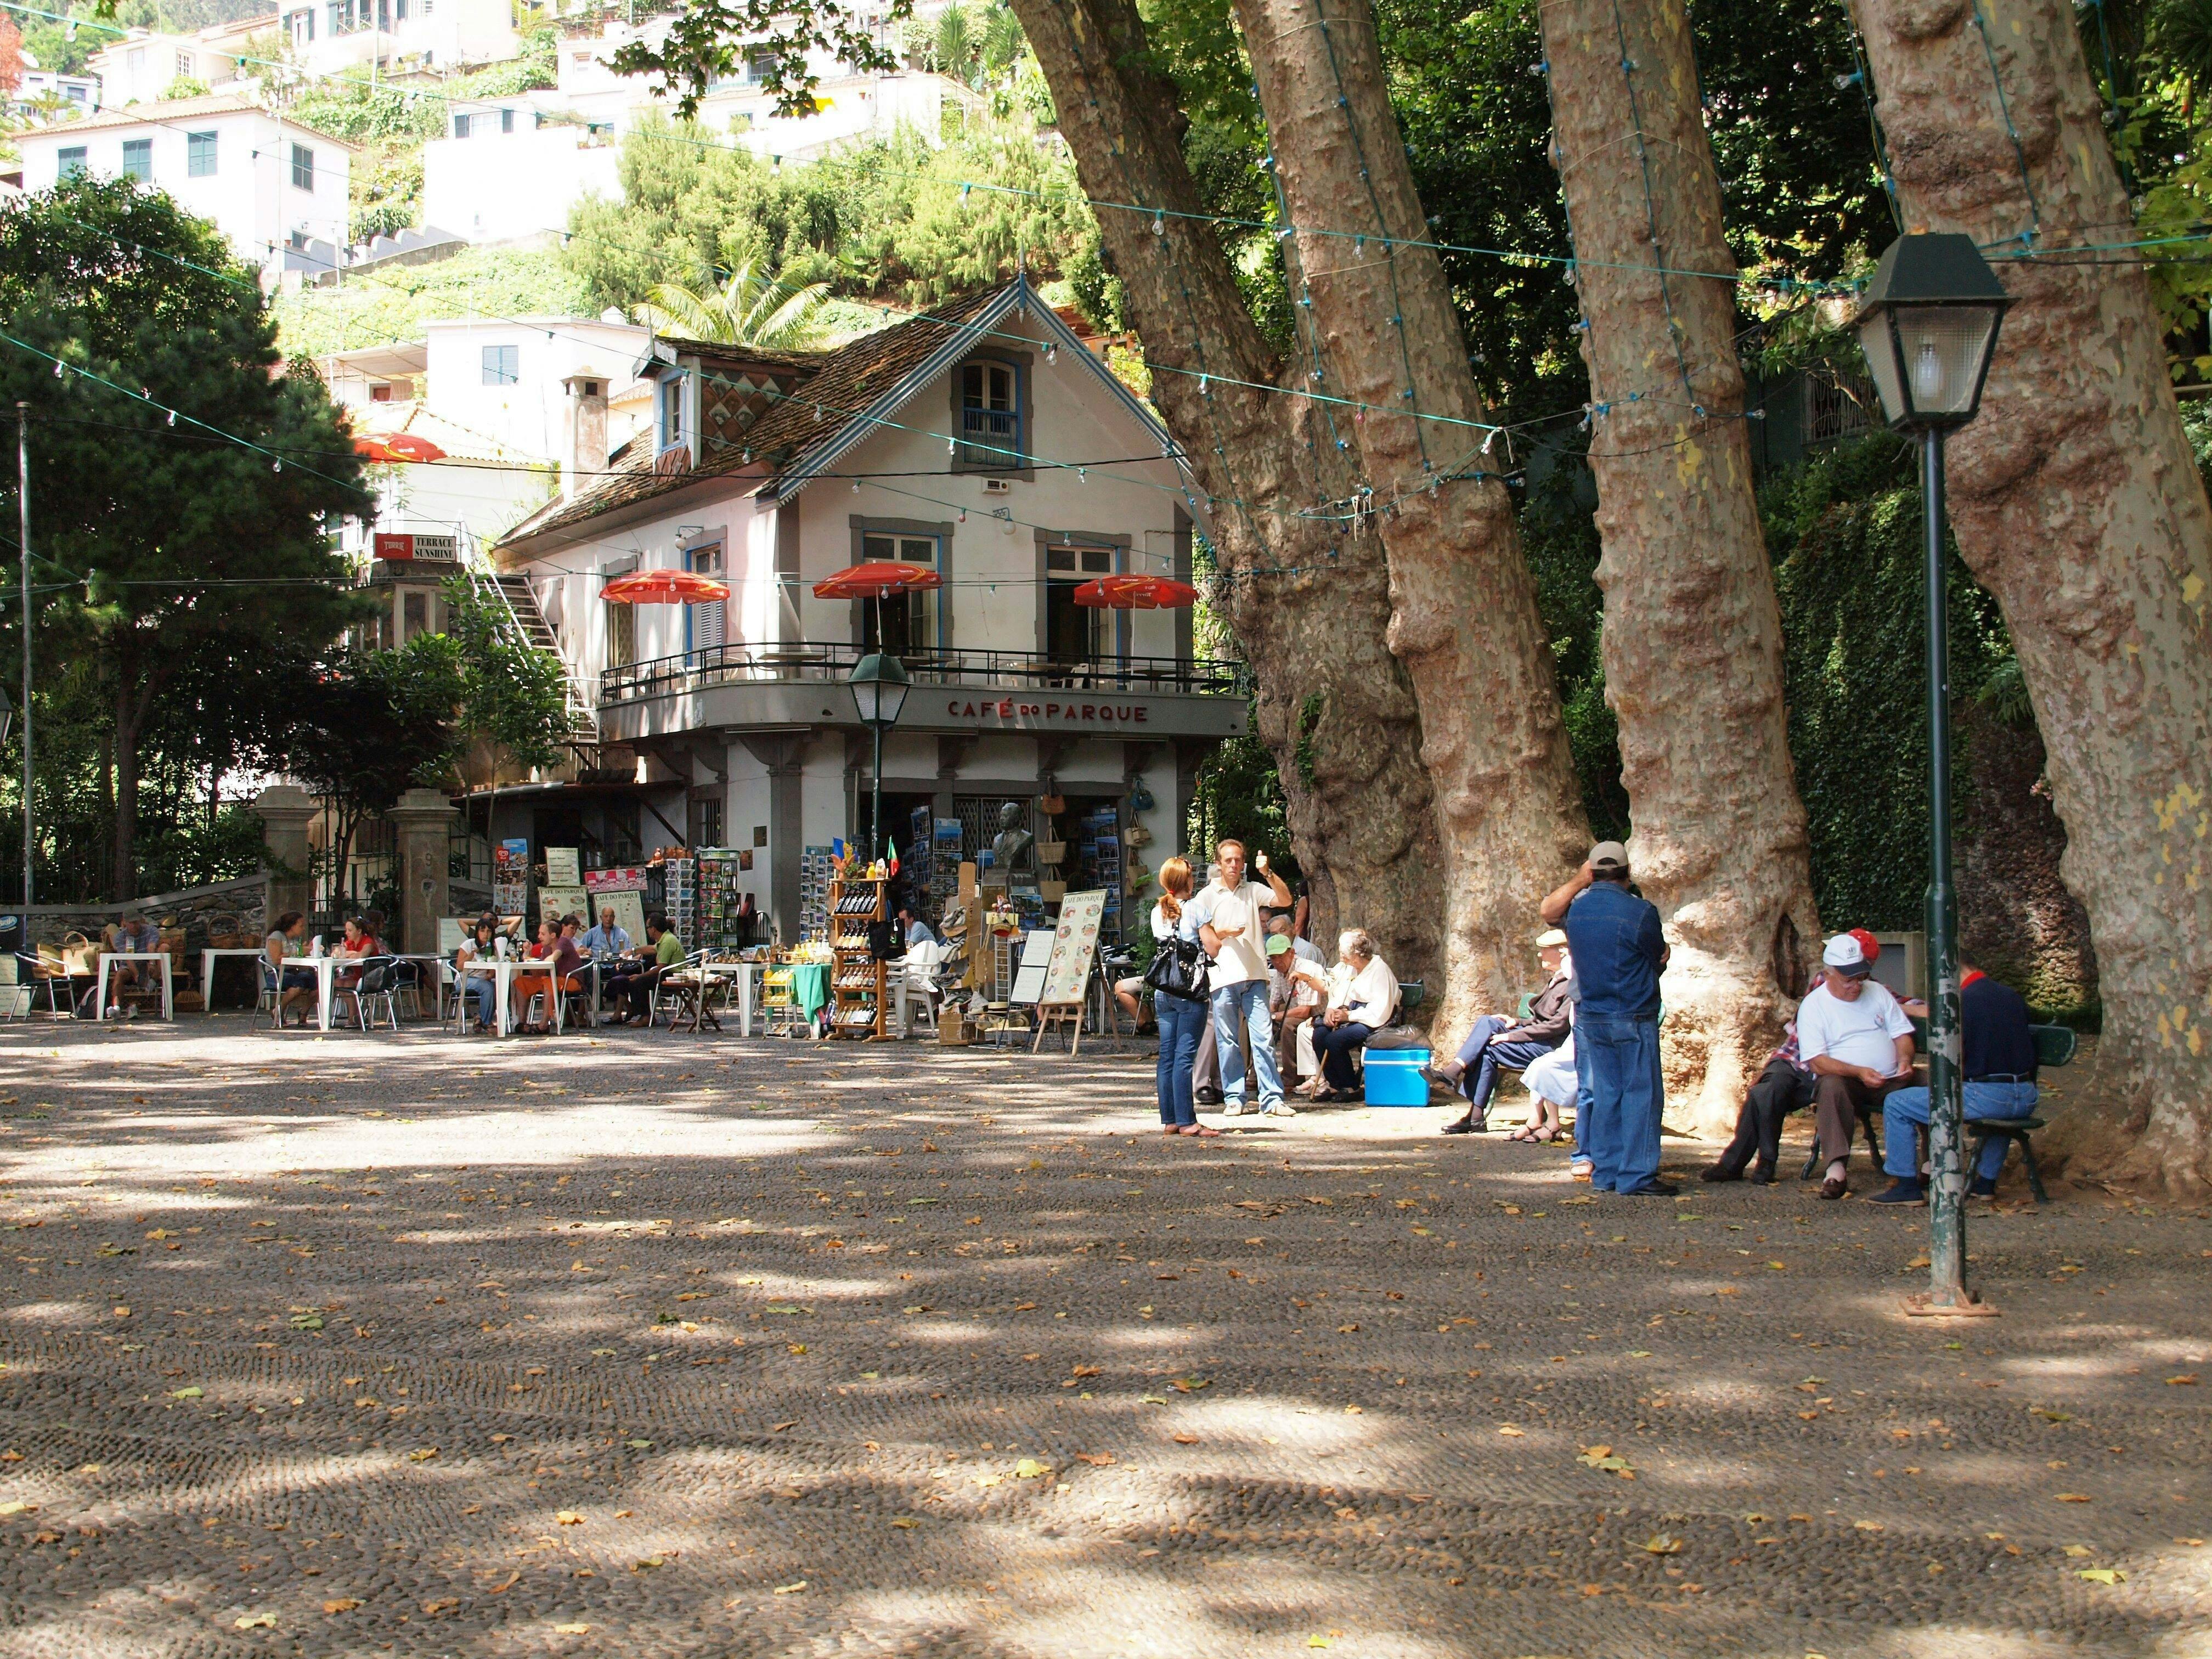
point(859, 981)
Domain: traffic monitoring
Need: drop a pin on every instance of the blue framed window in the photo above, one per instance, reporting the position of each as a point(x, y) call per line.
point(990, 415)
point(672, 429)
point(704, 625)
point(138, 159)
point(502, 365)
point(303, 167)
point(200, 154)
point(71, 162)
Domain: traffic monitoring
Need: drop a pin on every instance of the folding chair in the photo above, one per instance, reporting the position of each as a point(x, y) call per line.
point(917, 983)
point(379, 984)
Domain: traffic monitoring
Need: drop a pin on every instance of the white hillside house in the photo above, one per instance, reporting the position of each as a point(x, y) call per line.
point(272, 186)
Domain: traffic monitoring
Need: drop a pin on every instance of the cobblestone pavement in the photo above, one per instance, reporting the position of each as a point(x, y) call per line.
point(638, 1345)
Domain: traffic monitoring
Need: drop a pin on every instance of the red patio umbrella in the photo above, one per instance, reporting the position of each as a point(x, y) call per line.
point(1136, 593)
point(406, 446)
point(664, 587)
point(876, 581)
point(373, 449)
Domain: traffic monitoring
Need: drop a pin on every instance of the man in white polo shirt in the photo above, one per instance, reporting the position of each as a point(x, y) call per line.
point(1228, 914)
point(1859, 1044)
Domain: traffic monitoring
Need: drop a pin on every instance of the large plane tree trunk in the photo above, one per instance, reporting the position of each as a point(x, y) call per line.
point(1693, 634)
point(1463, 618)
point(2077, 503)
point(1310, 606)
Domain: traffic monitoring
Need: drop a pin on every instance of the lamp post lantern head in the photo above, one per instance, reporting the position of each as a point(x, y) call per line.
point(1928, 326)
point(879, 686)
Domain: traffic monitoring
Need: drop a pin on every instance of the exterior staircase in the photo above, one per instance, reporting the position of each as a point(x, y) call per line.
point(510, 594)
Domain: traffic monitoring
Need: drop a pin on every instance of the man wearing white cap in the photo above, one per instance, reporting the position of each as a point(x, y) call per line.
point(1858, 1042)
point(1506, 1042)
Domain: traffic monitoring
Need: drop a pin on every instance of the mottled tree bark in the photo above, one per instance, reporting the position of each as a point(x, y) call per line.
point(1464, 616)
point(1693, 634)
point(1311, 609)
point(2076, 503)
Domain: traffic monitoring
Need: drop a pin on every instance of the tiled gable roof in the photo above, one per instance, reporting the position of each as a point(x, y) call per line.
point(785, 424)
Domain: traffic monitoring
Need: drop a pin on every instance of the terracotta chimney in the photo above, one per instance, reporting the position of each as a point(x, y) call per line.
point(586, 456)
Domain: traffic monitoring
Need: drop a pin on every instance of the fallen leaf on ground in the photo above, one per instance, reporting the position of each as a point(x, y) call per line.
point(1185, 1440)
point(254, 1621)
point(186, 1394)
point(1098, 1459)
point(342, 1604)
point(791, 1590)
point(986, 1480)
point(2079, 1550)
point(569, 1517)
point(2186, 1380)
point(441, 1605)
point(572, 1630)
point(905, 1523)
point(1030, 1469)
point(1663, 1544)
point(2101, 1574)
point(422, 1453)
point(1507, 1428)
point(1151, 1400)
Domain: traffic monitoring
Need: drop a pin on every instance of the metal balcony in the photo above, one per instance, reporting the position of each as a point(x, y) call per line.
point(742, 664)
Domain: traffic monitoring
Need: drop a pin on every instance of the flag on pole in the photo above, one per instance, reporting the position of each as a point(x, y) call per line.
point(891, 869)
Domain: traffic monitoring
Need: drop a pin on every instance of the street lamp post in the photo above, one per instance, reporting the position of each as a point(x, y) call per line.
point(879, 686)
point(1928, 325)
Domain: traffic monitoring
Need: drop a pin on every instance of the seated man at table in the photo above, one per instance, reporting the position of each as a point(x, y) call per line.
point(607, 940)
point(1858, 1042)
point(1997, 1064)
point(632, 991)
point(128, 933)
point(913, 929)
point(558, 953)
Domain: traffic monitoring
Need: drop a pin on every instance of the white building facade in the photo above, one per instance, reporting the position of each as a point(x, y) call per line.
point(980, 440)
point(327, 37)
point(142, 66)
point(269, 183)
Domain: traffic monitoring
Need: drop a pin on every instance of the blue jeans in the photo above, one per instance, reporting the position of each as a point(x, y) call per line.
point(1180, 1020)
point(1620, 1130)
point(1246, 1003)
point(1488, 1052)
point(483, 994)
point(1905, 1107)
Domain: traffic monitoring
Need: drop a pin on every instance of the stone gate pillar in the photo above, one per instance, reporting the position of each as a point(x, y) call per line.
point(424, 821)
point(285, 810)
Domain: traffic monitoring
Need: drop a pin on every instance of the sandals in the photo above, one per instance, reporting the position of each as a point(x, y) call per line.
point(1199, 1129)
point(1543, 1137)
point(1524, 1135)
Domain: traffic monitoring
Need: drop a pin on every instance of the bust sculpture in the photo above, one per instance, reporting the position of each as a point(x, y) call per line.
point(1013, 843)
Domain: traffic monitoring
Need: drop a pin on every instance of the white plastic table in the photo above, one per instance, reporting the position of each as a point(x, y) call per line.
point(99, 992)
point(325, 967)
point(208, 960)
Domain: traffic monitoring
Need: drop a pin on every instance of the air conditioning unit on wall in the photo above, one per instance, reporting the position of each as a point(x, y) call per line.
point(998, 486)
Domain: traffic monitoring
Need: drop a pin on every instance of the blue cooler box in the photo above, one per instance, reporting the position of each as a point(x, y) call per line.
point(1394, 1077)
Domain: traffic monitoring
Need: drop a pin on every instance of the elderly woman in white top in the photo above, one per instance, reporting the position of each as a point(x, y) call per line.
point(1363, 997)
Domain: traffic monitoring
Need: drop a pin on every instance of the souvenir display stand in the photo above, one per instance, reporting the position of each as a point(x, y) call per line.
point(860, 992)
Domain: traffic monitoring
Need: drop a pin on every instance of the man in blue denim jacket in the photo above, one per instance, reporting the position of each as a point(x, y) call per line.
point(1619, 951)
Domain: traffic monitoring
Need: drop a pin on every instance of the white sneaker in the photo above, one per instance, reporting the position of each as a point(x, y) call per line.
point(1233, 1109)
point(1280, 1109)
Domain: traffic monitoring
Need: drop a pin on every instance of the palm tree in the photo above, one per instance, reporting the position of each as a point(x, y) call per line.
point(751, 309)
point(1003, 41)
point(954, 47)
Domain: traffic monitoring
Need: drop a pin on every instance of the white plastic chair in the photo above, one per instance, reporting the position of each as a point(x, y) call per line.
point(918, 983)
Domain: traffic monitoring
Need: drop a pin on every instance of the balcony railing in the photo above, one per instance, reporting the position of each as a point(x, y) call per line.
point(763, 664)
point(991, 437)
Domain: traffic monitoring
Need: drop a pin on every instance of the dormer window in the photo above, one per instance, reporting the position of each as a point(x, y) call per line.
point(674, 431)
point(991, 416)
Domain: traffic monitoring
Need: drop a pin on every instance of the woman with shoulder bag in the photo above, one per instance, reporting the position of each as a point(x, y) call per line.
point(1179, 1002)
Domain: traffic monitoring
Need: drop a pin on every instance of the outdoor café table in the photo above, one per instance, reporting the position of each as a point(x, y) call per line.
point(207, 959)
point(748, 976)
point(325, 967)
point(99, 992)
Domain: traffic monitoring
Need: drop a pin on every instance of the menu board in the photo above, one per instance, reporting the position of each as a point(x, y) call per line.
point(1073, 944)
point(510, 878)
point(555, 902)
point(562, 867)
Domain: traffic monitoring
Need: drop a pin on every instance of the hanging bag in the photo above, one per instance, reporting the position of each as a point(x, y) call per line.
point(1179, 969)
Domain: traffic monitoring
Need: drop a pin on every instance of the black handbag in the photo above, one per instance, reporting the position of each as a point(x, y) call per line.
point(1179, 969)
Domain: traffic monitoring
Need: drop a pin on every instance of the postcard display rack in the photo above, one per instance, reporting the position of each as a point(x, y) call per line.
point(681, 895)
point(815, 866)
point(720, 877)
point(857, 976)
point(1098, 864)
